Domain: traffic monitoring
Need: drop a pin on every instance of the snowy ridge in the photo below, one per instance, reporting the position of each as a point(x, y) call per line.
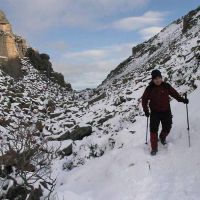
point(169, 50)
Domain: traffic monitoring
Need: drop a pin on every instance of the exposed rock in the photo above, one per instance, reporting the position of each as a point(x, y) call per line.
point(3, 19)
point(80, 132)
point(53, 115)
point(21, 46)
point(189, 21)
point(42, 63)
point(77, 134)
point(11, 49)
point(118, 69)
point(66, 151)
point(68, 125)
point(65, 136)
point(39, 61)
point(98, 98)
point(7, 37)
point(106, 118)
point(119, 101)
point(59, 78)
point(137, 49)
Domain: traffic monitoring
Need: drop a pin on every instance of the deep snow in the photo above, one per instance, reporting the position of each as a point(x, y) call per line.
point(130, 173)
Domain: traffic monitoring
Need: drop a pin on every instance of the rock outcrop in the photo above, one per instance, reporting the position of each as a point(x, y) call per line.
point(12, 48)
point(42, 63)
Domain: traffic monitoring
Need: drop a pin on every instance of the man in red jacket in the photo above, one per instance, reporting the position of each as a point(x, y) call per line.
point(156, 97)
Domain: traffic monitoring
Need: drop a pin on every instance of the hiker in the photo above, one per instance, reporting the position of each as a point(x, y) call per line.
point(156, 97)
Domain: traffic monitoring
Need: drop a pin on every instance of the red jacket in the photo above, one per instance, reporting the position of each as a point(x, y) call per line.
point(158, 97)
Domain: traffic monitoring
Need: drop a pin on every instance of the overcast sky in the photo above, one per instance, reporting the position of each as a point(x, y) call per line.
point(86, 39)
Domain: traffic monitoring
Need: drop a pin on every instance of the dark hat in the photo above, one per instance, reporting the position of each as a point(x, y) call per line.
point(156, 73)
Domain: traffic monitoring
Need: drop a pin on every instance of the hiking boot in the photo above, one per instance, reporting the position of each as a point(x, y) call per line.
point(162, 140)
point(153, 152)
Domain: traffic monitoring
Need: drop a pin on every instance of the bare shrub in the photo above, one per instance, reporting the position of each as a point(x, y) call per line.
point(25, 163)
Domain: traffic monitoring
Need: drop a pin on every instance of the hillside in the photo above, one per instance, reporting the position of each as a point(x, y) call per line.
point(114, 111)
point(13, 48)
point(92, 141)
point(174, 50)
point(111, 106)
point(132, 173)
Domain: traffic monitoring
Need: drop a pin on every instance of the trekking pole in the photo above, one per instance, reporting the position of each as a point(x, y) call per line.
point(188, 123)
point(147, 130)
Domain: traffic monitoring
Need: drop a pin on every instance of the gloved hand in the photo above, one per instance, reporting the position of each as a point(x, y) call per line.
point(185, 101)
point(147, 114)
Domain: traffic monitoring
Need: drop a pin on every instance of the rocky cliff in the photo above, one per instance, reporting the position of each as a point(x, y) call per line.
point(11, 46)
point(14, 48)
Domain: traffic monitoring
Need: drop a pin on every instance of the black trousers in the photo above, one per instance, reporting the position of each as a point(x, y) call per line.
point(165, 118)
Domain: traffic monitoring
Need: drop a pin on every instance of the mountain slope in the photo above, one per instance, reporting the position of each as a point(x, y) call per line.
point(131, 173)
point(110, 107)
point(125, 169)
point(96, 137)
point(174, 50)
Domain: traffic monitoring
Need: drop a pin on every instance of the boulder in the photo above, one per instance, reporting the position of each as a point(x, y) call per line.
point(80, 132)
point(66, 151)
point(65, 136)
point(77, 134)
point(106, 118)
point(68, 125)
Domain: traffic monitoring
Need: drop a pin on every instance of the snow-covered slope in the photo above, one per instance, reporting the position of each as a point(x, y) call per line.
point(175, 51)
point(116, 102)
point(131, 173)
point(25, 106)
point(100, 132)
point(114, 163)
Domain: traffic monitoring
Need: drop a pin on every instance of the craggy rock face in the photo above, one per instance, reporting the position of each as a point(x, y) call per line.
point(8, 47)
point(3, 18)
point(12, 48)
